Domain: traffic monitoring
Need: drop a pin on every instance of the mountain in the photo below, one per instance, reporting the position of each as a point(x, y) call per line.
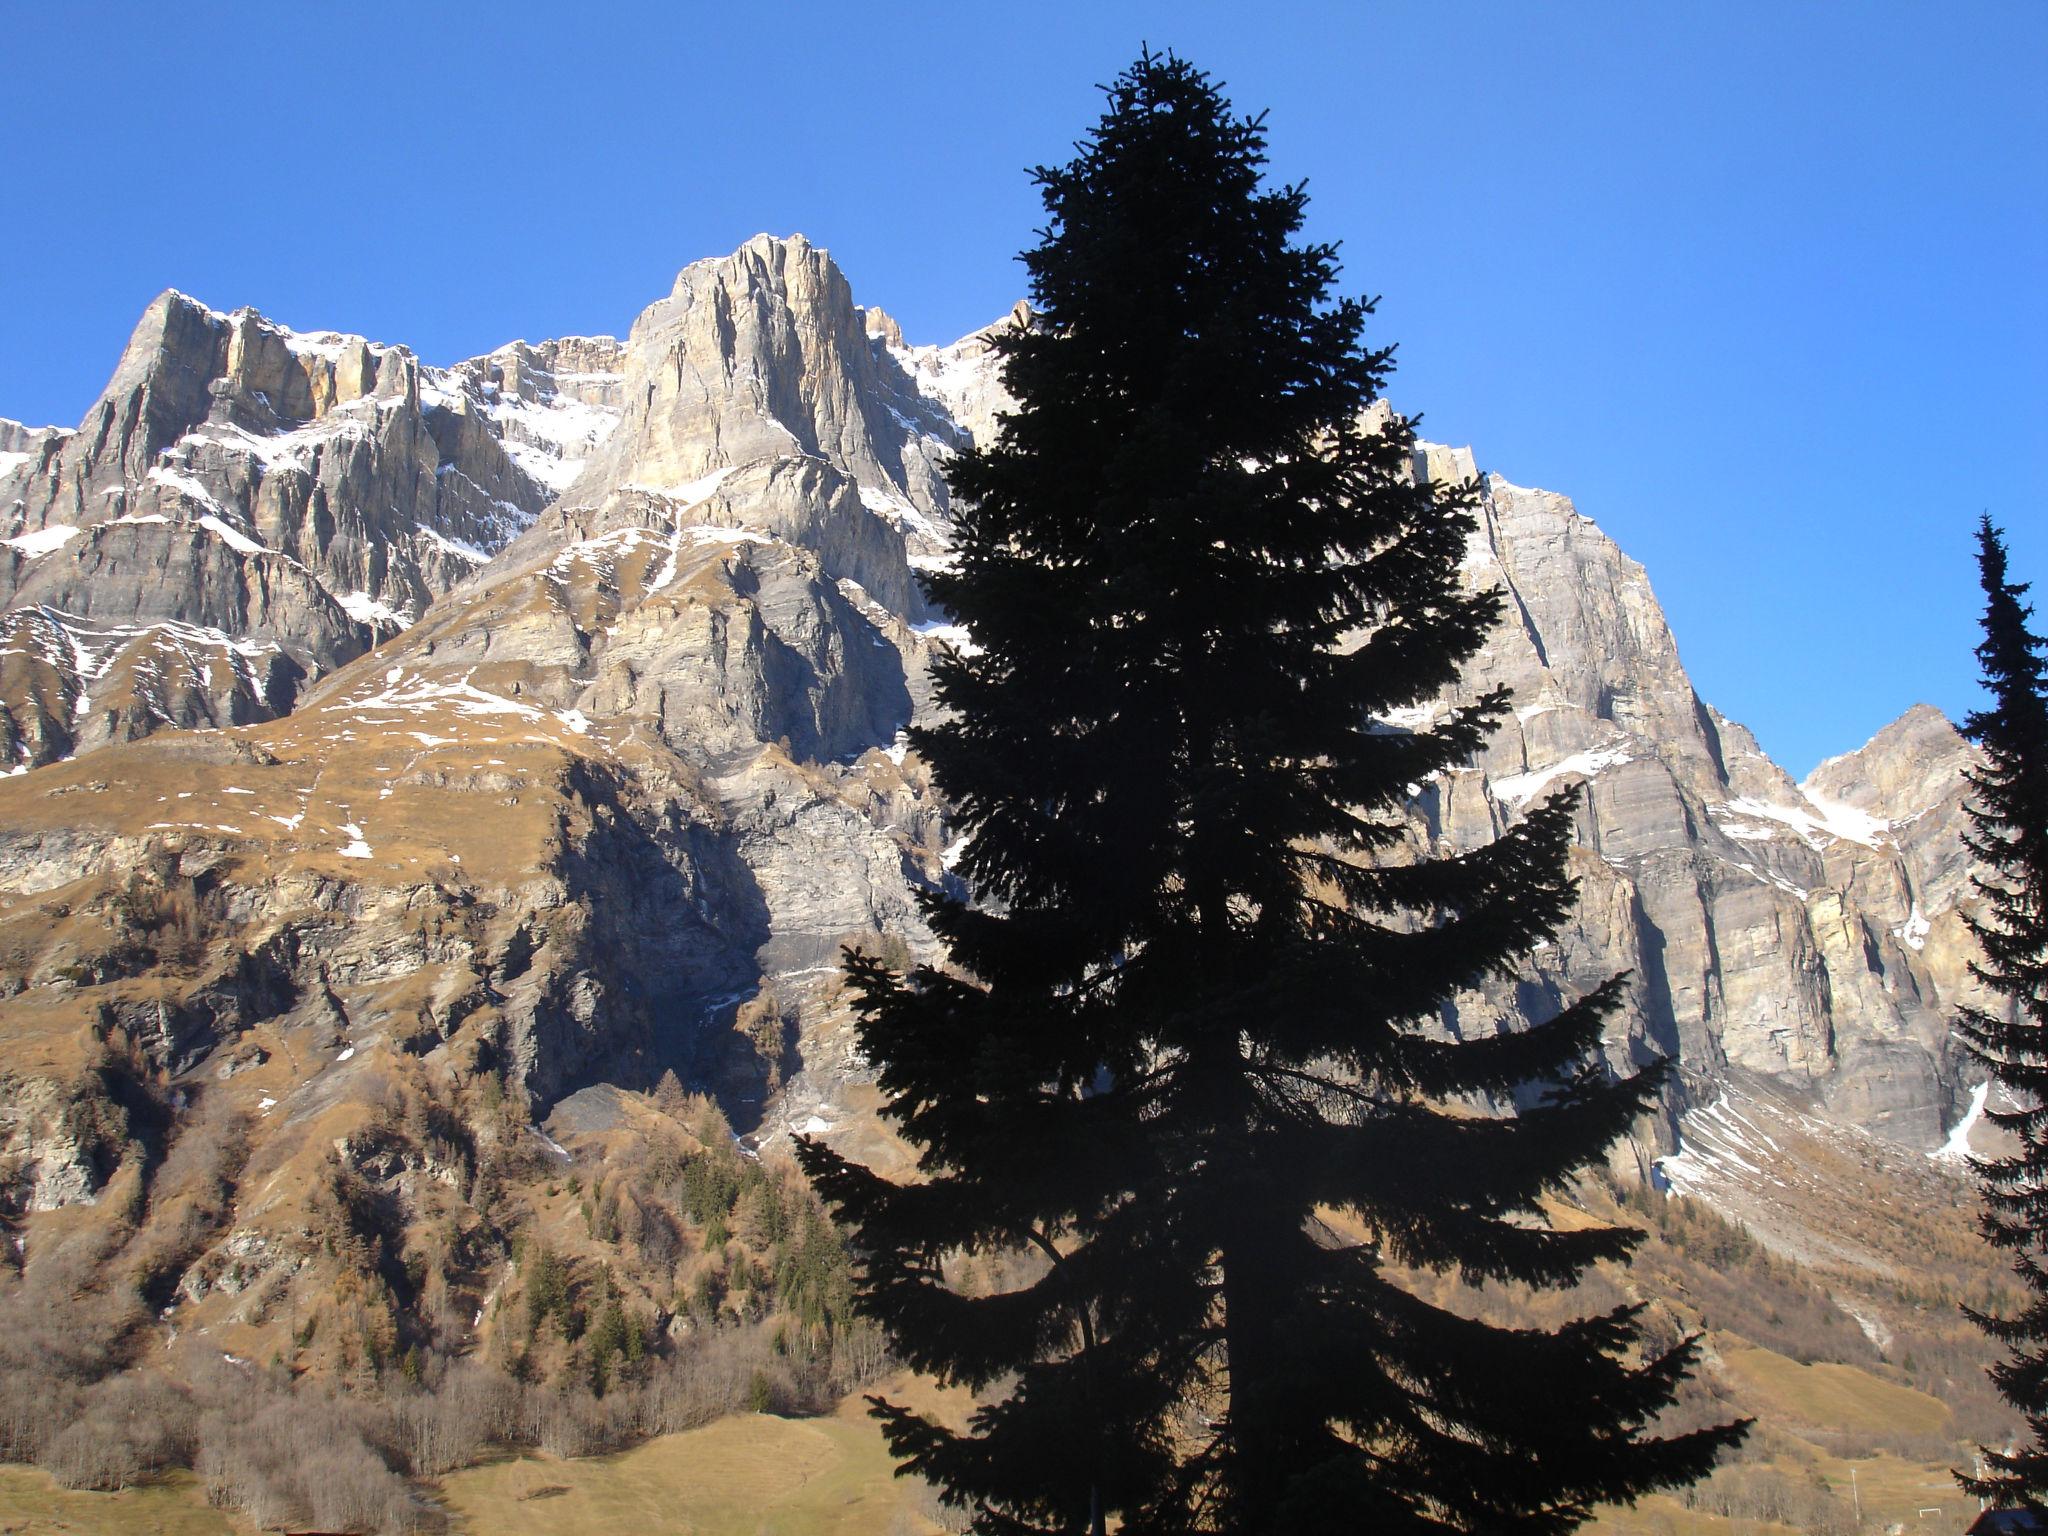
point(246, 508)
point(1805, 934)
point(497, 737)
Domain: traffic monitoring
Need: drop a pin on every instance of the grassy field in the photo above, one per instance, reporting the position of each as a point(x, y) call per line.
point(759, 1475)
point(32, 1505)
point(755, 1475)
point(1792, 1401)
point(1826, 1396)
point(763, 1476)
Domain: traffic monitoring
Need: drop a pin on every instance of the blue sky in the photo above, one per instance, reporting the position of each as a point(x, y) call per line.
point(1759, 285)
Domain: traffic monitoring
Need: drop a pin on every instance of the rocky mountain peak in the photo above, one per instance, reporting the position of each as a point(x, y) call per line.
point(244, 508)
point(1912, 764)
point(760, 356)
point(883, 327)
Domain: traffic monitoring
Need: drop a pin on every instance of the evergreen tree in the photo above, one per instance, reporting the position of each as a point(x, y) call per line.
point(2009, 833)
point(1203, 994)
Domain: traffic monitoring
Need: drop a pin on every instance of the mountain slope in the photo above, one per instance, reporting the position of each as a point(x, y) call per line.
point(622, 774)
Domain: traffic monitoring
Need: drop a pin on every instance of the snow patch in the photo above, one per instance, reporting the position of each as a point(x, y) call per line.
point(455, 547)
point(552, 438)
point(1479, 552)
point(1766, 877)
point(365, 609)
point(1957, 1148)
point(232, 536)
point(43, 541)
point(184, 485)
point(899, 513)
point(690, 493)
point(419, 696)
point(1410, 717)
point(706, 533)
point(289, 447)
point(949, 376)
point(955, 635)
point(1914, 934)
point(1520, 788)
point(1821, 820)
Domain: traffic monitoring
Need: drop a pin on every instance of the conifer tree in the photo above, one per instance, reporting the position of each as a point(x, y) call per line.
point(1201, 996)
point(2008, 815)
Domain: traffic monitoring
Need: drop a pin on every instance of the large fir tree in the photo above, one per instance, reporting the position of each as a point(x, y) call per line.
point(1203, 993)
point(2008, 815)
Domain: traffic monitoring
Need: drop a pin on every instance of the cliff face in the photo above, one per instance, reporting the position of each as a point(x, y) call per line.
point(622, 772)
point(245, 508)
point(1806, 934)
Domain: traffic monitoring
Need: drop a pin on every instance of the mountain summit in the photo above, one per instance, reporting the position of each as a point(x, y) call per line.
point(532, 724)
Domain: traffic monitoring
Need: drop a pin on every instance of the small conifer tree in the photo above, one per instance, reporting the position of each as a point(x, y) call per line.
point(1202, 996)
point(2008, 814)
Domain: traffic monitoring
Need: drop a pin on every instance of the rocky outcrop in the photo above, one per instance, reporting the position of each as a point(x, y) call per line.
point(1777, 929)
point(246, 508)
point(764, 356)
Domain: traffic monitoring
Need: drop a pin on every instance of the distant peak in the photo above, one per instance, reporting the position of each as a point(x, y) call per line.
point(772, 251)
point(789, 268)
point(880, 323)
point(1921, 714)
point(178, 298)
point(1906, 765)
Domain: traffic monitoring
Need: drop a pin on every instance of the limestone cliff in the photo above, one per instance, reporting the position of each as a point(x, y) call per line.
point(1807, 934)
point(247, 507)
point(622, 772)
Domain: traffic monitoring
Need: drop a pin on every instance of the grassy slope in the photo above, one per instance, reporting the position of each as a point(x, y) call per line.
point(749, 1476)
point(32, 1505)
point(758, 1475)
point(1792, 1402)
point(754, 1475)
point(1828, 1396)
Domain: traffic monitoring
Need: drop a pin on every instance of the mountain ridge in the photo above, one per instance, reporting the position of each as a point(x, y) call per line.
point(609, 800)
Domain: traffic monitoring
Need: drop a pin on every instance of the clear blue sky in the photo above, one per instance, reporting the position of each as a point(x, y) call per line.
point(1760, 285)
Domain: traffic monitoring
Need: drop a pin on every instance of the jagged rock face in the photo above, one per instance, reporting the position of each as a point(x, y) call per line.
point(590, 796)
point(712, 673)
point(245, 508)
point(964, 378)
point(1773, 928)
point(731, 577)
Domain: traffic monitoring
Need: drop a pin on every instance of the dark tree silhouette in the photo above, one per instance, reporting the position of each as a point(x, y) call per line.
point(1203, 993)
point(2009, 831)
